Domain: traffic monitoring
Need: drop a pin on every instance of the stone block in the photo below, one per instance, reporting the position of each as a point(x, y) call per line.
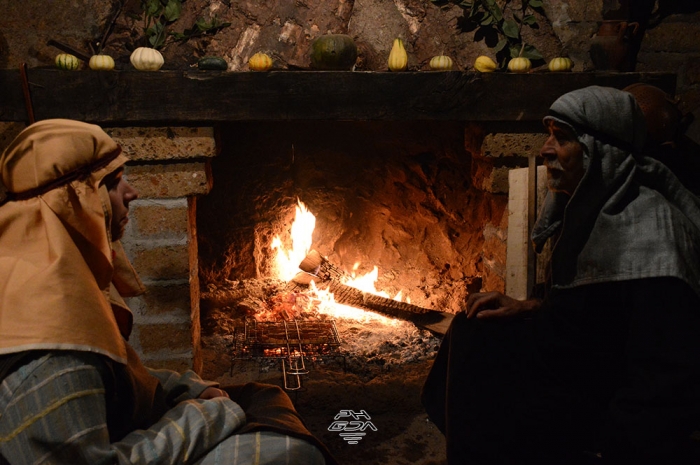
point(170, 180)
point(162, 301)
point(158, 219)
point(512, 145)
point(165, 143)
point(165, 338)
point(160, 262)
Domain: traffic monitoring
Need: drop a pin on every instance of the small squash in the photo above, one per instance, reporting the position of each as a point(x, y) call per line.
point(485, 64)
point(212, 63)
point(260, 62)
point(67, 61)
point(519, 65)
point(398, 58)
point(146, 59)
point(560, 64)
point(101, 62)
point(333, 52)
point(441, 63)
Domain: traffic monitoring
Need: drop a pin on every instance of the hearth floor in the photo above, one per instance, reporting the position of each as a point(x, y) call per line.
point(390, 397)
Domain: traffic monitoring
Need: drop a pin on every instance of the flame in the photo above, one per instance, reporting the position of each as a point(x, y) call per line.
point(287, 266)
point(287, 261)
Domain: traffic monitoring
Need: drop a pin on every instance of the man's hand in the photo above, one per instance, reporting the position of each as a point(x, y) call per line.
point(497, 305)
point(211, 392)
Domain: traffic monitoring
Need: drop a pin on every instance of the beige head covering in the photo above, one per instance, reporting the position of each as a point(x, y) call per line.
point(57, 262)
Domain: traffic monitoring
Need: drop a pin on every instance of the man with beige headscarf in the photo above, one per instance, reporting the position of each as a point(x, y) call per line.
point(73, 390)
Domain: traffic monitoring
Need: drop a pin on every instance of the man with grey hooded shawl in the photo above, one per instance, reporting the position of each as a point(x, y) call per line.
point(606, 367)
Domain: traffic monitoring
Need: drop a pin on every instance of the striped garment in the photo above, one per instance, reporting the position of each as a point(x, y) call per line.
point(53, 411)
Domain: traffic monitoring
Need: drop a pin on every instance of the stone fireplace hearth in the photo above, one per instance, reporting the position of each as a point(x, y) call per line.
point(443, 153)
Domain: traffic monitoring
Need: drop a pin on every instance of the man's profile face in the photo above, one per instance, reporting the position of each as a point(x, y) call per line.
point(120, 194)
point(563, 158)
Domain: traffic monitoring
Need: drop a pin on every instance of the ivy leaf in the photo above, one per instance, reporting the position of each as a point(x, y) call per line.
point(152, 7)
point(514, 51)
point(487, 21)
point(172, 10)
point(530, 20)
point(535, 3)
point(500, 45)
point(156, 36)
point(532, 53)
point(510, 29)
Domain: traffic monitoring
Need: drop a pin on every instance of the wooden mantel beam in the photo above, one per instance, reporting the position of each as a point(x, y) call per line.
point(164, 97)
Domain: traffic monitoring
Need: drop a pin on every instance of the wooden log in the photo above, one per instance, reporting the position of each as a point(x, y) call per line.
point(320, 266)
point(348, 295)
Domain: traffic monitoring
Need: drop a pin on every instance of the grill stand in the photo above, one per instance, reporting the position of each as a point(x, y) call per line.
point(290, 342)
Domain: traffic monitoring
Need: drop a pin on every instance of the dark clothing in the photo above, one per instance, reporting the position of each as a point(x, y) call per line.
point(611, 368)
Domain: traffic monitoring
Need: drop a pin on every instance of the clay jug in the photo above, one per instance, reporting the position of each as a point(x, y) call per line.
point(614, 46)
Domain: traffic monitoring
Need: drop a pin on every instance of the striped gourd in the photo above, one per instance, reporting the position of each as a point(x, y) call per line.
point(441, 63)
point(101, 62)
point(67, 61)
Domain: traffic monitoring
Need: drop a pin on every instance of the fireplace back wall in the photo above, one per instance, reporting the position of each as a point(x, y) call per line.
point(396, 195)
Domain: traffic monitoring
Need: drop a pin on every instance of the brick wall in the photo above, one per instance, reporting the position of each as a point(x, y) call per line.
point(169, 168)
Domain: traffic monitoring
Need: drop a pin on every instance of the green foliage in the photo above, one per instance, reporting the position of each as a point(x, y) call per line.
point(200, 28)
point(159, 14)
point(499, 24)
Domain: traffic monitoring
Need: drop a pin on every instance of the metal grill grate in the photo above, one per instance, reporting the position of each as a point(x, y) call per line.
point(290, 341)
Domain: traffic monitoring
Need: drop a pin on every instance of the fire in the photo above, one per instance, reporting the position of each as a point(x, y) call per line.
point(287, 266)
point(287, 261)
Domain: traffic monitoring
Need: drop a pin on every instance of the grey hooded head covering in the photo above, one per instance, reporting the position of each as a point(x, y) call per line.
point(629, 217)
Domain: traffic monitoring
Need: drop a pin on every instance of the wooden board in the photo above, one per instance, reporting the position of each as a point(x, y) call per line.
point(163, 97)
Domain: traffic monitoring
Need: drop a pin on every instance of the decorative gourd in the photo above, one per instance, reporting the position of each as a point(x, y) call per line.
point(333, 52)
point(398, 58)
point(519, 65)
point(146, 59)
point(560, 64)
point(484, 64)
point(212, 63)
point(260, 62)
point(101, 62)
point(67, 61)
point(441, 63)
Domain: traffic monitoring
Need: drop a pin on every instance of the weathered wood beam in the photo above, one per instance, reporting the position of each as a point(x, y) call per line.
point(163, 97)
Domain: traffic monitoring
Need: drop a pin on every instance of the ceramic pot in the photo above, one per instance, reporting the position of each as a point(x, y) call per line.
point(614, 47)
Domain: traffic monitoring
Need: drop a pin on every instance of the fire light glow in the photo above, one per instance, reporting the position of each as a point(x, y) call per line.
point(287, 266)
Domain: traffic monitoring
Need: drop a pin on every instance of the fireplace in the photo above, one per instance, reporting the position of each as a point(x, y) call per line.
point(401, 202)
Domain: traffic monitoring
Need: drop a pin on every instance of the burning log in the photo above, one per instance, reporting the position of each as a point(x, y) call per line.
point(319, 266)
point(325, 275)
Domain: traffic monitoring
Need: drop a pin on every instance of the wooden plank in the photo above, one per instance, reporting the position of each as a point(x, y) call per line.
point(517, 243)
point(137, 97)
